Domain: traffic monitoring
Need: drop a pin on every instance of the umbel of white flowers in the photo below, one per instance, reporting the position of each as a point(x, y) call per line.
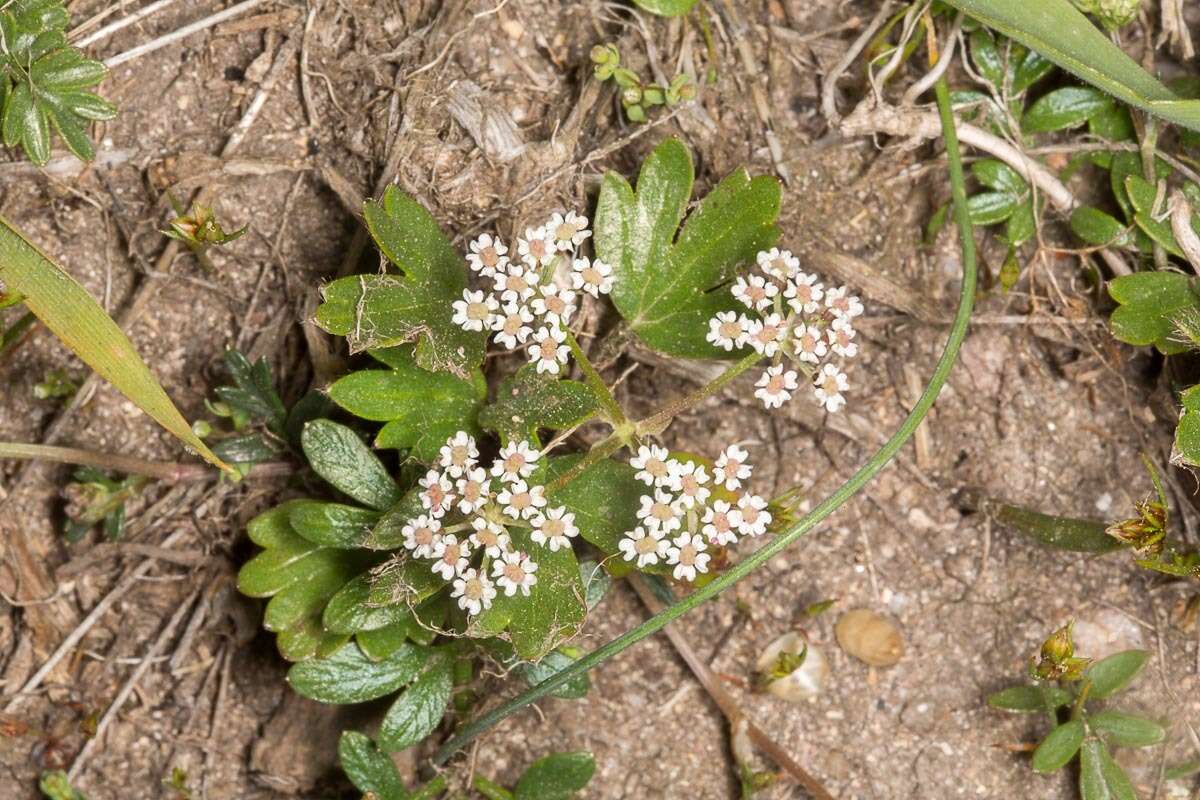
point(687, 511)
point(800, 323)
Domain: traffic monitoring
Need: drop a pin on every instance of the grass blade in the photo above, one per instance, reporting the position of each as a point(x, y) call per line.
point(73, 316)
point(1061, 33)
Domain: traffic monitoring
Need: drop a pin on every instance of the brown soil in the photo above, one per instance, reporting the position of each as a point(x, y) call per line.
point(1050, 414)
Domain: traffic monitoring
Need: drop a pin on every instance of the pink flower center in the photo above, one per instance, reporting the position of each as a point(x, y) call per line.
point(775, 385)
point(514, 573)
point(554, 528)
point(423, 536)
point(477, 311)
point(452, 555)
point(473, 589)
point(647, 544)
point(730, 330)
point(548, 348)
point(565, 231)
point(687, 555)
point(489, 256)
point(514, 463)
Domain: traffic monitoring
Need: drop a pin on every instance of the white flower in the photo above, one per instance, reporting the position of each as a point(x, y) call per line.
point(828, 384)
point(515, 460)
point(555, 305)
point(521, 501)
point(842, 303)
point(754, 517)
point(778, 263)
point(515, 284)
point(809, 343)
point(537, 248)
point(765, 334)
point(732, 468)
point(646, 546)
point(688, 556)
point(421, 536)
point(436, 494)
point(487, 255)
point(458, 454)
point(548, 351)
point(689, 483)
point(841, 338)
point(512, 325)
point(569, 231)
point(721, 523)
point(554, 529)
point(654, 464)
point(474, 490)
point(727, 330)
point(514, 571)
point(660, 511)
point(593, 277)
point(452, 556)
point(489, 535)
point(776, 385)
point(803, 293)
point(474, 592)
point(474, 312)
point(754, 292)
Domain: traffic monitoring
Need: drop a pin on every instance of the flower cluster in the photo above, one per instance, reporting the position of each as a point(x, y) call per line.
point(527, 308)
point(468, 512)
point(799, 323)
point(687, 510)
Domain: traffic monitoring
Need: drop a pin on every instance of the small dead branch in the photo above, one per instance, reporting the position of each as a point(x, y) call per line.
point(829, 85)
point(124, 22)
point(1181, 226)
point(182, 33)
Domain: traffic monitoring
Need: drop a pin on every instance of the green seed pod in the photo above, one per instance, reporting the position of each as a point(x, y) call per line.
point(653, 95)
point(626, 78)
point(1113, 14)
point(635, 113)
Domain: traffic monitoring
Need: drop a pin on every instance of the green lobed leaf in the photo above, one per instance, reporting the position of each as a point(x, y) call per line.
point(81, 324)
point(1028, 699)
point(1064, 108)
point(348, 676)
point(422, 409)
point(1149, 303)
point(332, 524)
point(253, 391)
point(340, 457)
point(389, 533)
point(382, 311)
point(604, 498)
point(382, 642)
point(1111, 675)
point(668, 288)
point(556, 776)
point(554, 662)
point(403, 580)
point(1099, 229)
point(527, 402)
point(1187, 433)
point(350, 610)
point(1062, 34)
point(369, 768)
point(419, 710)
point(1126, 730)
point(1059, 747)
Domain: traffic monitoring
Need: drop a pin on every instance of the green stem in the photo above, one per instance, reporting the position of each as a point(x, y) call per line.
point(10, 337)
point(490, 790)
point(656, 423)
point(613, 409)
point(600, 451)
point(941, 372)
point(430, 790)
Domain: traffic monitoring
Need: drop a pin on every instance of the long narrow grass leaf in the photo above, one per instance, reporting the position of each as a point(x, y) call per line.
point(73, 316)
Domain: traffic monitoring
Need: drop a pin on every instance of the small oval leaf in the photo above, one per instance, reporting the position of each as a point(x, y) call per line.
point(1111, 675)
point(1059, 747)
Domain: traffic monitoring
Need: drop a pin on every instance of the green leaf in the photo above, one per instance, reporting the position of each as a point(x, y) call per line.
point(417, 712)
point(1064, 108)
point(989, 208)
point(554, 610)
point(666, 8)
point(1126, 730)
point(1187, 433)
point(1099, 229)
point(348, 676)
point(1058, 31)
point(389, 533)
point(1022, 225)
point(253, 391)
point(380, 311)
point(308, 640)
point(55, 785)
point(1027, 699)
point(332, 524)
point(368, 768)
point(1000, 177)
point(1063, 533)
point(340, 457)
point(1113, 123)
point(527, 402)
point(668, 288)
point(1149, 303)
point(403, 580)
point(422, 409)
point(554, 662)
point(986, 57)
point(1059, 747)
point(80, 323)
point(382, 642)
point(604, 498)
point(1111, 675)
point(1031, 67)
point(1185, 770)
point(556, 776)
point(350, 610)
point(1100, 778)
